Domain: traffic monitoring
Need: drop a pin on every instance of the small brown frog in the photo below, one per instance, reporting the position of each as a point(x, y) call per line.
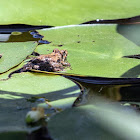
point(55, 61)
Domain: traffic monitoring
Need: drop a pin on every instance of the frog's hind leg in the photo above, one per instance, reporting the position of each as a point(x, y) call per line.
point(10, 75)
point(25, 68)
point(16, 71)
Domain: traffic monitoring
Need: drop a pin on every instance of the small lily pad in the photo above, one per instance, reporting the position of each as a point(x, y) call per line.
point(15, 92)
point(14, 53)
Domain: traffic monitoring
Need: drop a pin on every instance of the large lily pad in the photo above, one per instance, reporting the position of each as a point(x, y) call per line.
point(16, 93)
point(96, 50)
point(14, 53)
point(100, 119)
point(78, 124)
point(66, 12)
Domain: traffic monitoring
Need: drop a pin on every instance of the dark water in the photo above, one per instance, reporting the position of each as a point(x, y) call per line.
point(117, 89)
point(131, 20)
point(40, 134)
point(5, 29)
point(125, 93)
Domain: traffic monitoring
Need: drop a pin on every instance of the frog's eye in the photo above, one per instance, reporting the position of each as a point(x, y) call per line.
point(56, 50)
point(58, 60)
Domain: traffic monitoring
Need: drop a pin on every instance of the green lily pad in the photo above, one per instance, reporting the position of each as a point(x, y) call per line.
point(15, 95)
point(96, 50)
point(76, 123)
point(14, 53)
point(101, 119)
point(66, 12)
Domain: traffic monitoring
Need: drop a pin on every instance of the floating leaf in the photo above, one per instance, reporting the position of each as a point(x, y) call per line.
point(16, 92)
point(76, 123)
point(66, 12)
point(96, 50)
point(100, 119)
point(14, 53)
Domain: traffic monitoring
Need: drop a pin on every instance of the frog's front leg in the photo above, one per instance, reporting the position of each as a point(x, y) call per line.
point(64, 63)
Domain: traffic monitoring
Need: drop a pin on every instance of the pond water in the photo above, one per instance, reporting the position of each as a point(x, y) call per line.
point(122, 90)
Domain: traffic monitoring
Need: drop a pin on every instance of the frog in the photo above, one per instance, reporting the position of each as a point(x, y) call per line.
point(53, 62)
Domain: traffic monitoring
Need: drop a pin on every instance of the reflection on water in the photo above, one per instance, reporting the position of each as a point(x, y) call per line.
point(4, 37)
point(23, 37)
point(118, 92)
point(127, 93)
point(15, 37)
point(22, 33)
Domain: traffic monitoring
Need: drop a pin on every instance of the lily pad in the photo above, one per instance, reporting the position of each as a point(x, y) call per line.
point(95, 50)
point(76, 125)
point(14, 53)
point(100, 119)
point(15, 95)
point(66, 12)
